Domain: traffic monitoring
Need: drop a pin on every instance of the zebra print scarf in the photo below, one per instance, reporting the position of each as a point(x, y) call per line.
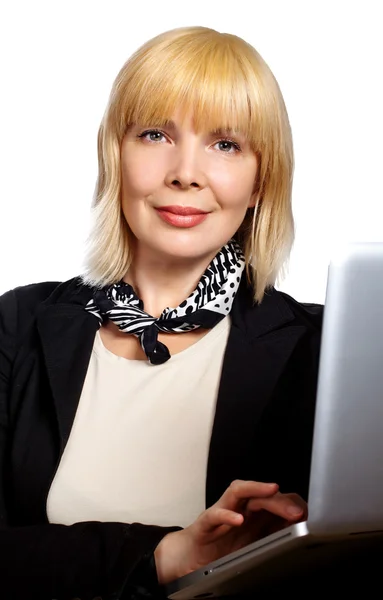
point(210, 302)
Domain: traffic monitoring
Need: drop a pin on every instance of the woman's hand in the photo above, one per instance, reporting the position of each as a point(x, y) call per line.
point(247, 511)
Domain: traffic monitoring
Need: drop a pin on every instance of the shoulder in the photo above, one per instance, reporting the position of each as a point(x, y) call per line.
point(21, 303)
point(29, 295)
point(276, 311)
point(305, 313)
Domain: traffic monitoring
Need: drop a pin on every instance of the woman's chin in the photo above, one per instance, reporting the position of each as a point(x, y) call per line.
point(181, 250)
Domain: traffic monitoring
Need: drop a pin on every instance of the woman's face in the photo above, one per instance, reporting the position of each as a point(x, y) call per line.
point(184, 195)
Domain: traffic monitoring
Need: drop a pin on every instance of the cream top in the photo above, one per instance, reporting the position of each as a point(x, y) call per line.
point(139, 444)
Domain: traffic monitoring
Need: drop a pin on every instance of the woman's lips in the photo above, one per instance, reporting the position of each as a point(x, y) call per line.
point(182, 216)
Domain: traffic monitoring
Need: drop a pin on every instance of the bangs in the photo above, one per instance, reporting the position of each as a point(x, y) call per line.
point(212, 81)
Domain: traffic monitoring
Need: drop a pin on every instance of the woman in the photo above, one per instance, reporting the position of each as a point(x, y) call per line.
point(131, 454)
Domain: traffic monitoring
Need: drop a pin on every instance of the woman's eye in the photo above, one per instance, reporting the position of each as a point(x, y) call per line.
point(154, 135)
point(225, 144)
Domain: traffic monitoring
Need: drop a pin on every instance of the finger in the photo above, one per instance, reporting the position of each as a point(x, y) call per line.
point(240, 490)
point(281, 505)
point(300, 502)
point(216, 517)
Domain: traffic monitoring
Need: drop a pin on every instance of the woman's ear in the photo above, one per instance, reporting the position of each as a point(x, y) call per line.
point(253, 200)
point(256, 192)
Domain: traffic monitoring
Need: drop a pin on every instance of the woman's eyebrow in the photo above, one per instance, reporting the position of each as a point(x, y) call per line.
point(218, 131)
point(225, 131)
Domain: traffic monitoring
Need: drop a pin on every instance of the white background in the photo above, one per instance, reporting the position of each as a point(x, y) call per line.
point(58, 62)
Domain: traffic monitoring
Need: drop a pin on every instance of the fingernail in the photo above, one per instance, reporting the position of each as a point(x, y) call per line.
point(294, 511)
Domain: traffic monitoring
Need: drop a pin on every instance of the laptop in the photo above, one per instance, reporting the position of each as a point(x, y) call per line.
point(345, 503)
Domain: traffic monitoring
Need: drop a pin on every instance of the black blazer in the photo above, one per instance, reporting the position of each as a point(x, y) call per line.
point(262, 431)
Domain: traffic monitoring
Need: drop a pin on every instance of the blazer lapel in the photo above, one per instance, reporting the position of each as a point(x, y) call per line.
point(257, 351)
point(67, 334)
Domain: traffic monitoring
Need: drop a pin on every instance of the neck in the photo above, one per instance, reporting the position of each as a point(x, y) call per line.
point(162, 283)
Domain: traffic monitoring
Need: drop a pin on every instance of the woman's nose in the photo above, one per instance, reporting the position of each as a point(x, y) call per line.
point(186, 168)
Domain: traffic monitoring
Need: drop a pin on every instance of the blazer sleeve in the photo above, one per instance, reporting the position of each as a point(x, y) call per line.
point(84, 560)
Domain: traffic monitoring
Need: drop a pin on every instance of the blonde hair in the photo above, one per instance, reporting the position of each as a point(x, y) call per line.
point(225, 83)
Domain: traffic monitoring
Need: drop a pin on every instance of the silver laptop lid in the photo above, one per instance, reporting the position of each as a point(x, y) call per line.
point(346, 480)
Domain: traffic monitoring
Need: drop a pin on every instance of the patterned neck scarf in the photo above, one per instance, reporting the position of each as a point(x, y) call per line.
point(210, 302)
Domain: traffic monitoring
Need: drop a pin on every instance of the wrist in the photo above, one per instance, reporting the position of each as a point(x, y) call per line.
point(170, 557)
